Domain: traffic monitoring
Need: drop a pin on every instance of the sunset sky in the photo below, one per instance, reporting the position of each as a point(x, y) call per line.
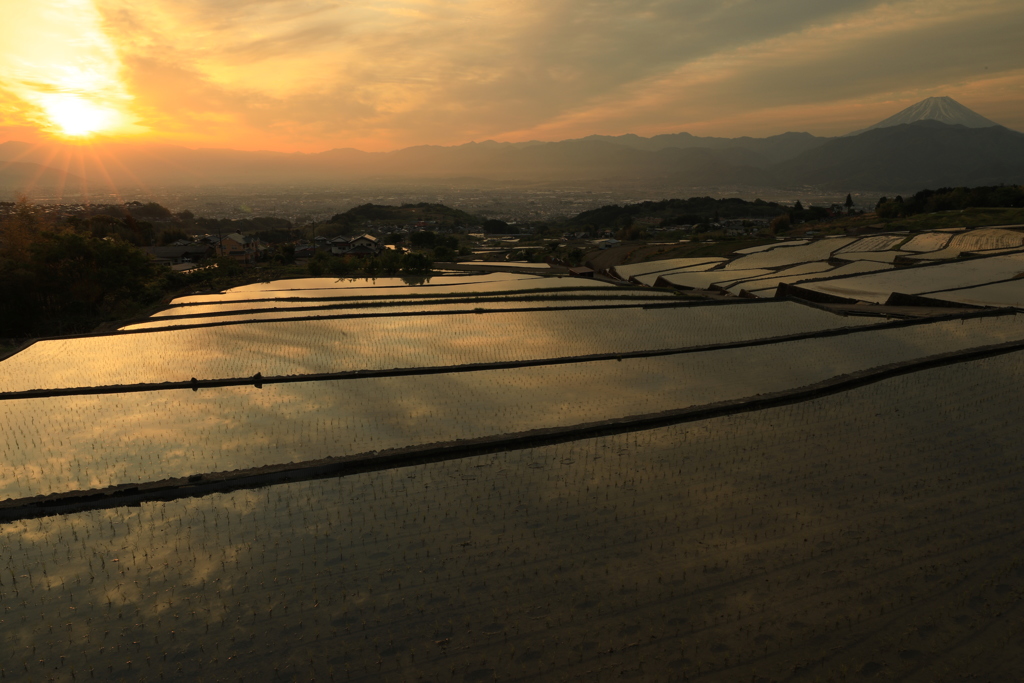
point(311, 75)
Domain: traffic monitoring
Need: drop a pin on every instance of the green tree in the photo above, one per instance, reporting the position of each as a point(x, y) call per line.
point(318, 264)
point(283, 254)
point(69, 281)
point(150, 210)
point(889, 210)
point(416, 264)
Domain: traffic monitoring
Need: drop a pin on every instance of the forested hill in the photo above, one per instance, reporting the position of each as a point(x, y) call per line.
point(675, 212)
point(437, 214)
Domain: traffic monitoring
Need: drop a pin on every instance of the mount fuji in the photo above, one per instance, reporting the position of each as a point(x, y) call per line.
point(942, 109)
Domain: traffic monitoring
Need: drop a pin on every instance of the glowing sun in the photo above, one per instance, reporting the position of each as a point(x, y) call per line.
point(75, 116)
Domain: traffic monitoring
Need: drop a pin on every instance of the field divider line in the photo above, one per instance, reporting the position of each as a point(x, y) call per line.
point(197, 485)
point(258, 380)
point(414, 298)
point(392, 304)
point(384, 313)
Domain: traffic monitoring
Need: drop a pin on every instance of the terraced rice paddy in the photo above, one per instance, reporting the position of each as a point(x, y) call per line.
point(879, 256)
point(580, 292)
point(820, 250)
point(382, 309)
point(840, 505)
point(66, 443)
point(766, 247)
point(472, 286)
point(983, 241)
point(758, 271)
point(516, 264)
point(786, 274)
point(651, 279)
point(873, 243)
point(1009, 293)
point(418, 303)
point(628, 271)
point(379, 283)
point(320, 298)
point(378, 343)
point(802, 538)
point(872, 254)
point(929, 241)
point(767, 287)
point(878, 287)
point(707, 280)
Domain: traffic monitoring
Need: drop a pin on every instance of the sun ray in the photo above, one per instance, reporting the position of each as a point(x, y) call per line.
point(114, 159)
point(63, 181)
point(106, 175)
point(34, 178)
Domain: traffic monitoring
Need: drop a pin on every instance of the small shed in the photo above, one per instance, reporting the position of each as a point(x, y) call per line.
point(581, 271)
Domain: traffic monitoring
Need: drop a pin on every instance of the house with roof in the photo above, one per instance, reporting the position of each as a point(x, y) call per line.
point(362, 245)
point(239, 247)
point(304, 249)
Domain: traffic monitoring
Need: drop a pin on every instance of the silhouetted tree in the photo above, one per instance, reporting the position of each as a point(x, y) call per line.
point(493, 226)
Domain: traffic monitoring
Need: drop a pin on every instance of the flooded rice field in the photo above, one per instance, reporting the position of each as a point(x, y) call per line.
point(374, 343)
point(876, 532)
point(870, 529)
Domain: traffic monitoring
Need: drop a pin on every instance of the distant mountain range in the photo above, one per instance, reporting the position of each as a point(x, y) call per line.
point(936, 142)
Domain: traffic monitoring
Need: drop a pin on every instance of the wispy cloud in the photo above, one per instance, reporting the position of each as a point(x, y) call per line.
point(380, 74)
point(828, 77)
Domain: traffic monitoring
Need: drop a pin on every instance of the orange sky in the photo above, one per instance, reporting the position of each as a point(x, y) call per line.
point(311, 75)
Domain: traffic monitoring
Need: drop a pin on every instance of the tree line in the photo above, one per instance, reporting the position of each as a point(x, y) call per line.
point(952, 199)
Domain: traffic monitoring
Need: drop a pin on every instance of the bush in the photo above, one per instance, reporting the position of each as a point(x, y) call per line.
point(779, 224)
point(416, 264)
